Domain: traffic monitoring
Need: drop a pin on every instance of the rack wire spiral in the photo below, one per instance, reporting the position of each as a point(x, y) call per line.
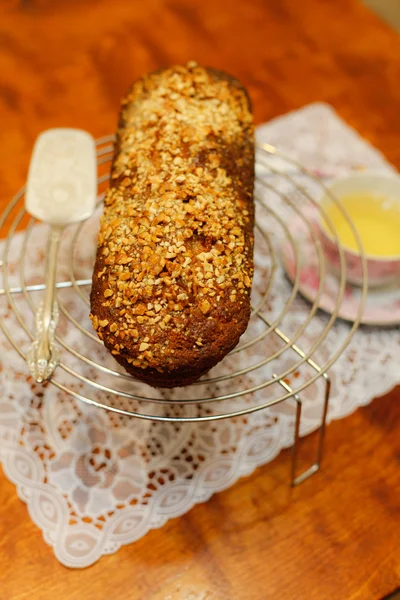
point(259, 373)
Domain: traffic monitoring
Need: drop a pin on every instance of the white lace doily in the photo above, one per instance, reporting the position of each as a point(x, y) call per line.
point(93, 480)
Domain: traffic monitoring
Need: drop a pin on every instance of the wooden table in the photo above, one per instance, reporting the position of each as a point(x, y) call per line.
point(336, 536)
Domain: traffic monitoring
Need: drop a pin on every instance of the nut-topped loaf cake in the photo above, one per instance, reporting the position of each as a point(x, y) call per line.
point(174, 265)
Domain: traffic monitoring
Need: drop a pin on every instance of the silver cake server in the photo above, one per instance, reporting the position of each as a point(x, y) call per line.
point(61, 189)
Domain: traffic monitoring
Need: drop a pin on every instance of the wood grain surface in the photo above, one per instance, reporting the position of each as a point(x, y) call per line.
point(336, 537)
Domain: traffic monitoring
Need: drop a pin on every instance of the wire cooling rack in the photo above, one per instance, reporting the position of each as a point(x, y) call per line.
point(261, 372)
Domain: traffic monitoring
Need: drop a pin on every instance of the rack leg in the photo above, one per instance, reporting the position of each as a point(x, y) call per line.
point(296, 441)
point(323, 421)
point(296, 479)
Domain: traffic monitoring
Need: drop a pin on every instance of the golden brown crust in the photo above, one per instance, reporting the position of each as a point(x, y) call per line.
point(172, 279)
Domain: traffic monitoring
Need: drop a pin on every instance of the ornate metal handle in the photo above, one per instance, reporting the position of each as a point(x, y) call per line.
point(43, 355)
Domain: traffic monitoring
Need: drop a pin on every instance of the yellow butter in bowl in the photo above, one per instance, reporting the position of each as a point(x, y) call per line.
point(368, 203)
point(376, 218)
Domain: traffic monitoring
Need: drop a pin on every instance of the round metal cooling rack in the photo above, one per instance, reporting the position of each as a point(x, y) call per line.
point(259, 373)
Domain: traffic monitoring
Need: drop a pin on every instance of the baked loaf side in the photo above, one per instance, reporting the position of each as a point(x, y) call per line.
point(173, 272)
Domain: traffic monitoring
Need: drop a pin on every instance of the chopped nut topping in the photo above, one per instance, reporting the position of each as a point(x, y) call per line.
point(125, 276)
point(247, 281)
point(205, 307)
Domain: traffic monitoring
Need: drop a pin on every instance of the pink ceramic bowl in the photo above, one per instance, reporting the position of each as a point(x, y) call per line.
point(381, 270)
